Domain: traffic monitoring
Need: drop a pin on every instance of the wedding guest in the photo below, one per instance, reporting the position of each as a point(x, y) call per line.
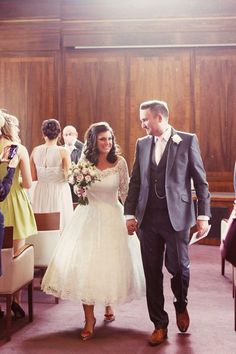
point(50, 164)
point(16, 207)
point(95, 260)
point(75, 146)
point(5, 185)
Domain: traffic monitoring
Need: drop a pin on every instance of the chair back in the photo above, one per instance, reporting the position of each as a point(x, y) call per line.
point(8, 237)
point(45, 241)
point(47, 221)
point(17, 273)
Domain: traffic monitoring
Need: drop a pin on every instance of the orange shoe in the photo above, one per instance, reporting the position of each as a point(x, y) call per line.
point(182, 320)
point(85, 334)
point(109, 317)
point(158, 336)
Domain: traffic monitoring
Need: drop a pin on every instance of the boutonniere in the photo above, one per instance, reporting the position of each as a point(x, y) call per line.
point(176, 139)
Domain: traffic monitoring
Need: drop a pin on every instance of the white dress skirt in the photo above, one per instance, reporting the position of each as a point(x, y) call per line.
point(51, 192)
point(95, 260)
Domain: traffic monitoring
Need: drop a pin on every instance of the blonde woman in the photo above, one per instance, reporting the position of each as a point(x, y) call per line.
point(16, 207)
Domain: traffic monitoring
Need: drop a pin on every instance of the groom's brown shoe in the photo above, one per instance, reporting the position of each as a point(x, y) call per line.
point(158, 336)
point(182, 320)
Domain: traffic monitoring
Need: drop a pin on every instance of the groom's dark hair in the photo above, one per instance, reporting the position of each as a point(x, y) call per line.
point(156, 107)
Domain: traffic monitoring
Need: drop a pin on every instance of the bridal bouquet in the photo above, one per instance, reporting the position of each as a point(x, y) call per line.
point(81, 176)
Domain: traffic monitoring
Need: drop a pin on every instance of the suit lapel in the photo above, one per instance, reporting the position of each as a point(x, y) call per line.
point(146, 156)
point(171, 153)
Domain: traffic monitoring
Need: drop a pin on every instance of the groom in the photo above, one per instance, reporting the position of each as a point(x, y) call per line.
point(159, 203)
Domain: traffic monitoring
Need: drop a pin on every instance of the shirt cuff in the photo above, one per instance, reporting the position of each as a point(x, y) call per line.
point(203, 217)
point(129, 217)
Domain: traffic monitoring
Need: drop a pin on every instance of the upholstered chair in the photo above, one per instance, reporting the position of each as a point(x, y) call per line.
point(45, 241)
point(17, 273)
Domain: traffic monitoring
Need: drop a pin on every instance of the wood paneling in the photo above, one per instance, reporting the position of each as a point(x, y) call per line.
point(18, 9)
point(95, 90)
point(28, 89)
point(110, 86)
point(215, 107)
point(30, 36)
point(149, 32)
point(160, 74)
point(133, 9)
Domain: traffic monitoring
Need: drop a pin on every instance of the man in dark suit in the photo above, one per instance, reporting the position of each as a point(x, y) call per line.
point(75, 146)
point(159, 204)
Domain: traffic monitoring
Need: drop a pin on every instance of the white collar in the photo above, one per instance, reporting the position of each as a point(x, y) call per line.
point(165, 136)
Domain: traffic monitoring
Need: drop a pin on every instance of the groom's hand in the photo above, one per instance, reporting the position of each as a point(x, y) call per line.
point(131, 225)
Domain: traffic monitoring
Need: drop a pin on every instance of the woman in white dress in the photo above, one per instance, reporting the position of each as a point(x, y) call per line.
point(95, 260)
point(49, 165)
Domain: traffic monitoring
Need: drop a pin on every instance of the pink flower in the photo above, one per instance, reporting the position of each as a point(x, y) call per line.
point(81, 176)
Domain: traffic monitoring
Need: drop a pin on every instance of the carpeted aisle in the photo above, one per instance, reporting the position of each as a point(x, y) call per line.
point(56, 327)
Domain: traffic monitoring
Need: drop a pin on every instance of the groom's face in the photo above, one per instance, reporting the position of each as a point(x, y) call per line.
point(150, 122)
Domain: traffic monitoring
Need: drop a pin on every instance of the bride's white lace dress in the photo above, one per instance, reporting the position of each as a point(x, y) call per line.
point(95, 260)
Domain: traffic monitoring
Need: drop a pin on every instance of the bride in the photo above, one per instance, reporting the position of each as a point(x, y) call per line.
point(95, 260)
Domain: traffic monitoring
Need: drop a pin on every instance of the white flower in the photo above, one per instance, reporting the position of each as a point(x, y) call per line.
point(88, 178)
point(176, 139)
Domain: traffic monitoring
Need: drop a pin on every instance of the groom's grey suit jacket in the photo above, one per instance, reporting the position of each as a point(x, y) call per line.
point(183, 163)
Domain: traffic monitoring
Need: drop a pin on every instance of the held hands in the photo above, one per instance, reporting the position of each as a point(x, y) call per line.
point(131, 226)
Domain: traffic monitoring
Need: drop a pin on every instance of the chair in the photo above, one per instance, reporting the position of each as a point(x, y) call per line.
point(45, 241)
point(223, 226)
point(17, 272)
point(223, 229)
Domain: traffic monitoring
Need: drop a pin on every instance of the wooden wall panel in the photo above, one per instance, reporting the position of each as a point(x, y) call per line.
point(215, 106)
point(163, 75)
point(95, 90)
point(15, 9)
point(140, 23)
point(149, 33)
point(110, 86)
point(28, 89)
point(133, 9)
point(30, 36)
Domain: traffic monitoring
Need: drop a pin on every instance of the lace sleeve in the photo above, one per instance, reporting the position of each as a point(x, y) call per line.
point(124, 179)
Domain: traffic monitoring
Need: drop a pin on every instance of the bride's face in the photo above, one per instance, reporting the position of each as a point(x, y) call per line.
point(104, 142)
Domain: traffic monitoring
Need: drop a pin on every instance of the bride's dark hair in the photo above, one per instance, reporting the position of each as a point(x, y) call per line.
point(91, 151)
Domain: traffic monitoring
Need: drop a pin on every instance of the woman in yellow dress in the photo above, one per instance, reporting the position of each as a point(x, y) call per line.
point(16, 207)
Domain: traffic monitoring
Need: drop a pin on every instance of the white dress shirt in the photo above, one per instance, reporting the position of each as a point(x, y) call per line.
point(161, 142)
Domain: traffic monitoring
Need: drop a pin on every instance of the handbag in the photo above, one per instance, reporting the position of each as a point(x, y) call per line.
point(228, 246)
